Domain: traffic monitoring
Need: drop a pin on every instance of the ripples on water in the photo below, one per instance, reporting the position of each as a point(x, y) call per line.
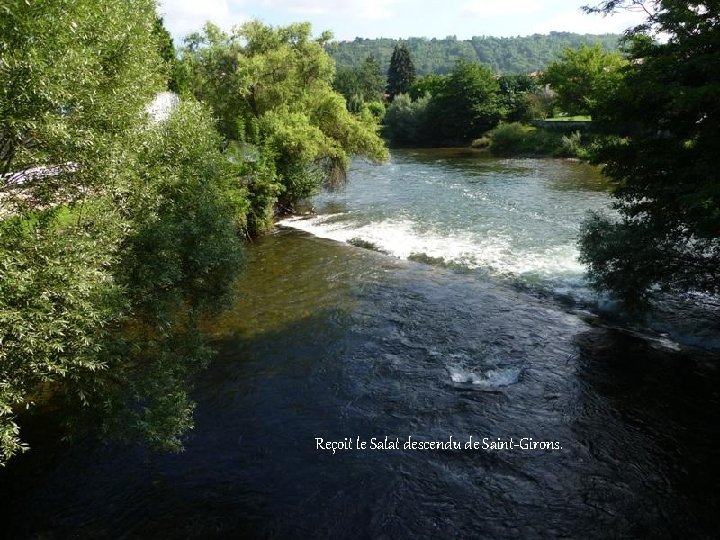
point(514, 220)
point(333, 341)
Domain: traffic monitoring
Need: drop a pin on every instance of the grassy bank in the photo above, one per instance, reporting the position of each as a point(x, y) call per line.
point(516, 139)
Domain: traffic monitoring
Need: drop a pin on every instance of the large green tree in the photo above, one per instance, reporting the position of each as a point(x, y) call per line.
point(427, 85)
point(667, 195)
point(271, 89)
point(401, 73)
point(581, 77)
point(453, 109)
point(465, 106)
point(117, 230)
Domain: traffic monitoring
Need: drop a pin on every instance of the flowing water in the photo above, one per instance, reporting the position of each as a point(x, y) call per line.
point(468, 318)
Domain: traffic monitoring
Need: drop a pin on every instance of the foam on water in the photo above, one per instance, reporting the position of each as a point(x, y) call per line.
point(403, 239)
point(492, 378)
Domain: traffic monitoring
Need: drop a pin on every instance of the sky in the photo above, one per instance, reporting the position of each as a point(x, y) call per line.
point(348, 19)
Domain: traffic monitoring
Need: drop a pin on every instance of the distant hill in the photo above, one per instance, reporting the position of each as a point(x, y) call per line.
point(503, 55)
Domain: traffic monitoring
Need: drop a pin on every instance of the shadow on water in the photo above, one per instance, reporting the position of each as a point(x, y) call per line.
point(655, 422)
point(353, 344)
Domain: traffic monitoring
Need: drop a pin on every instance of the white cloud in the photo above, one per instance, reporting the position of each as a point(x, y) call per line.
point(401, 18)
point(496, 8)
point(185, 16)
point(365, 9)
point(302, 7)
point(374, 9)
point(584, 23)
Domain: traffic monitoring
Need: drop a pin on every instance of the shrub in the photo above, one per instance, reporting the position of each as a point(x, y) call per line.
point(405, 120)
point(516, 138)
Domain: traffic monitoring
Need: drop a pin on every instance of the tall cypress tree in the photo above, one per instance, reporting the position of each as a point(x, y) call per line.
point(401, 74)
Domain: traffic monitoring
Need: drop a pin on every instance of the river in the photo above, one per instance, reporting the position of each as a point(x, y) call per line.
point(468, 316)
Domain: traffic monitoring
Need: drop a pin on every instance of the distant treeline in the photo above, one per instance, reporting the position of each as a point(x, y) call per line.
point(511, 55)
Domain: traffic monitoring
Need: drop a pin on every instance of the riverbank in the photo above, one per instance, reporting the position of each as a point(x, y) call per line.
point(525, 140)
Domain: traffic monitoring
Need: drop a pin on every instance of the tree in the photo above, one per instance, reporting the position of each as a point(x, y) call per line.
point(427, 85)
point(117, 232)
point(361, 85)
point(167, 53)
point(406, 121)
point(346, 82)
point(664, 165)
point(372, 80)
point(465, 106)
point(581, 77)
point(520, 97)
point(506, 55)
point(271, 88)
point(401, 73)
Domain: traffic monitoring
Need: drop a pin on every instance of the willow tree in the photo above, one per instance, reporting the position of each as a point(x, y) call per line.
point(116, 233)
point(271, 89)
point(664, 164)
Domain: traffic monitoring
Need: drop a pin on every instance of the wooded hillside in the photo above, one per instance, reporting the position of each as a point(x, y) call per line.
point(502, 55)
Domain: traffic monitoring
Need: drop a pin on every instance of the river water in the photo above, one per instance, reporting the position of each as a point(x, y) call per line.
point(467, 317)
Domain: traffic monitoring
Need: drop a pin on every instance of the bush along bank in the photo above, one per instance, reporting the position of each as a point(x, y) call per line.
point(516, 139)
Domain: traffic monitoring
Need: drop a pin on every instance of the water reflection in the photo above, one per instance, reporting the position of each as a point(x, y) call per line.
point(656, 411)
point(354, 344)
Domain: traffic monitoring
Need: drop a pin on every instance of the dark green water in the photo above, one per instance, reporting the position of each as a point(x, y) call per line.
point(333, 341)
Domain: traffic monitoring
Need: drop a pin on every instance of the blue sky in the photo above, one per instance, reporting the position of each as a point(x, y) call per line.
point(348, 19)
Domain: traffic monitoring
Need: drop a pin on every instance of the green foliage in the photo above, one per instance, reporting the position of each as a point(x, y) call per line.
point(427, 85)
point(573, 145)
point(582, 77)
point(511, 139)
point(401, 73)
point(520, 97)
point(346, 82)
point(516, 84)
point(176, 264)
point(361, 85)
point(506, 55)
point(482, 142)
point(665, 163)
point(520, 139)
point(58, 303)
point(71, 80)
point(406, 121)
point(107, 262)
point(630, 258)
point(466, 106)
point(188, 193)
point(167, 53)
point(272, 88)
point(372, 80)
point(377, 110)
